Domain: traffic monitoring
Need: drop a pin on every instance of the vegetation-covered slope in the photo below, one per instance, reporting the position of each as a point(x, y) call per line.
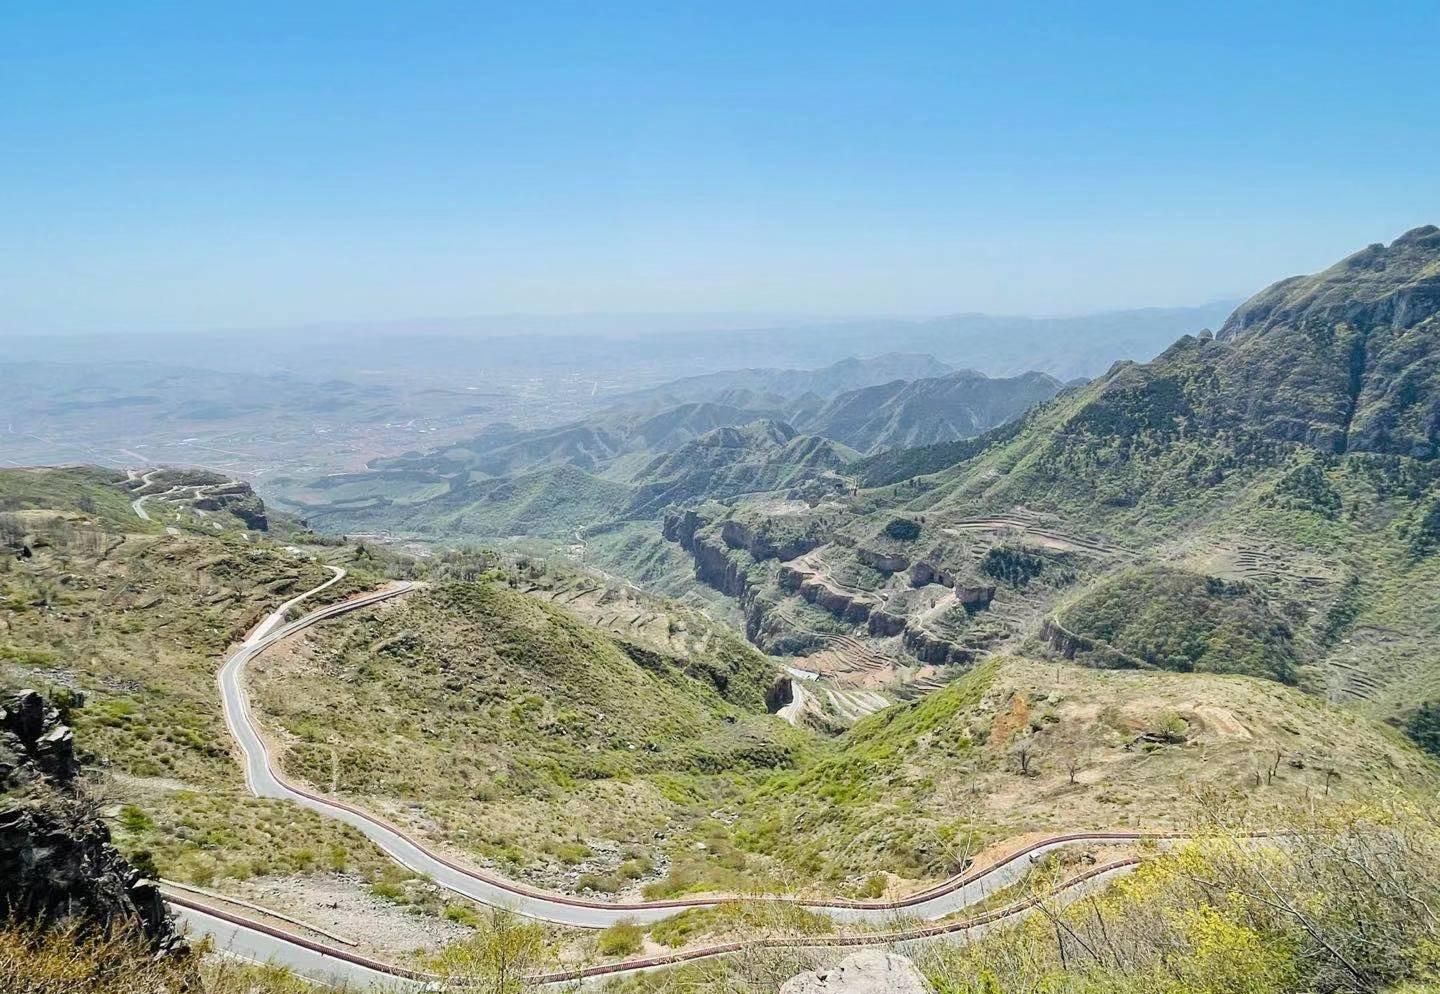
point(1175, 620)
point(905, 414)
point(126, 625)
point(511, 729)
point(1019, 745)
point(760, 456)
point(1347, 359)
point(462, 714)
point(1315, 489)
point(715, 436)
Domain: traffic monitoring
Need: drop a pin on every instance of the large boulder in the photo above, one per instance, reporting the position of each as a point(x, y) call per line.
point(872, 971)
point(34, 743)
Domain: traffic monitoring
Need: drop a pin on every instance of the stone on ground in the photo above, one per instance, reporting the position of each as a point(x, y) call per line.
point(868, 972)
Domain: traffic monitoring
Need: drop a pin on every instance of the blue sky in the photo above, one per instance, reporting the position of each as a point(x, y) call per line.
point(175, 165)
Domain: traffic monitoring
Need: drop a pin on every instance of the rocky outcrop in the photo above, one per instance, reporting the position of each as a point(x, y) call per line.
point(57, 863)
point(740, 535)
point(716, 566)
point(922, 573)
point(885, 562)
point(681, 526)
point(884, 624)
point(975, 598)
point(780, 694)
point(872, 971)
point(35, 746)
point(238, 499)
point(931, 648)
point(843, 604)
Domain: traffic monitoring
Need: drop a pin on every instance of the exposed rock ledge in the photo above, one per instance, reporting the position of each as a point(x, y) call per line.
point(56, 860)
point(739, 535)
point(870, 972)
point(1086, 650)
point(842, 604)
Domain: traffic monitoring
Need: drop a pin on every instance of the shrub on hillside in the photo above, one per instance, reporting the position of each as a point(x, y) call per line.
point(1345, 905)
point(1422, 530)
point(1011, 564)
point(620, 939)
point(1424, 727)
point(903, 529)
point(1305, 488)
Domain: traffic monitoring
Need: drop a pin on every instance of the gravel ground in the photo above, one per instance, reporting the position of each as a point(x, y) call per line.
point(338, 903)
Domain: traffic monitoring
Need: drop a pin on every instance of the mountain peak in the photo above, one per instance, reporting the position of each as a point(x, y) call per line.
point(1425, 234)
point(1396, 285)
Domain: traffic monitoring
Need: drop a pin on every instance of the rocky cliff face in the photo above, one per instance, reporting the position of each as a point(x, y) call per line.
point(931, 648)
point(717, 563)
point(714, 564)
point(1347, 359)
point(56, 860)
point(35, 747)
point(238, 499)
point(741, 535)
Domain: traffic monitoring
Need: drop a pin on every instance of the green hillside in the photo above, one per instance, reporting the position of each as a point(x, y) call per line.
point(126, 625)
point(907, 414)
point(509, 728)
point(549, 502)
point(718, 435)
point(760, 456)
point(1280, 477)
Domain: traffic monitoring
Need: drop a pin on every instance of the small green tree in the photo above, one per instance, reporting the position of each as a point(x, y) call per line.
point(497, 958)
point(903, 529)
point(1424, 727)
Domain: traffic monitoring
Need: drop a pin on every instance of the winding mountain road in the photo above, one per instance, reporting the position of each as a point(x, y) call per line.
point(332, 964)
point(264, 780)
point(138, 504)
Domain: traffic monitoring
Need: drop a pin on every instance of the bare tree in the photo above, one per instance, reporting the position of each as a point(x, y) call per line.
point(1023, 755)
point(1274, 769)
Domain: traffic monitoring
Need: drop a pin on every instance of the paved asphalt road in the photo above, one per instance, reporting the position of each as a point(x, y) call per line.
point(334, 968)
point(484, 888)
point(255, 946)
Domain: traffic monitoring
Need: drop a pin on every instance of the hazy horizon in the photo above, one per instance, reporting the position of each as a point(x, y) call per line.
point(616, 324)
point(173, 167)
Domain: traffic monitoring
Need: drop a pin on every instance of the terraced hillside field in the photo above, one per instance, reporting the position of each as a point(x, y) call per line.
point(1262, 500)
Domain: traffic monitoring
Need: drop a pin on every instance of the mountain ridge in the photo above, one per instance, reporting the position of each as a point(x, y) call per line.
point(1261, 457)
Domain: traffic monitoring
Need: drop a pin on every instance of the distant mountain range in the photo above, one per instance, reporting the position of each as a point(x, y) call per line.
point(717, 435)
point(617, 355)
point(903, 413)
point(779, 387)
point(1065, 347)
